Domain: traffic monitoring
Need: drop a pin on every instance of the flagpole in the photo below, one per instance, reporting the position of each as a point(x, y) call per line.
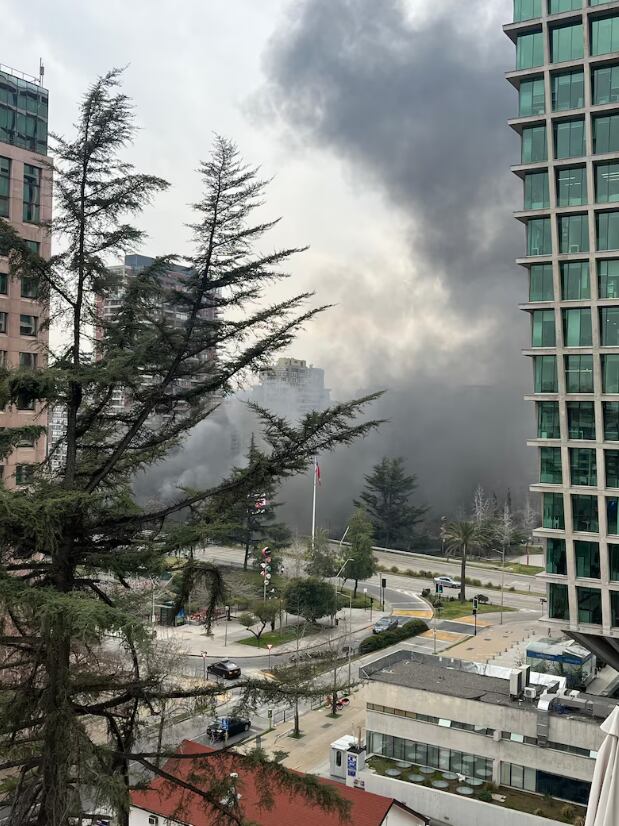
point(314, 504)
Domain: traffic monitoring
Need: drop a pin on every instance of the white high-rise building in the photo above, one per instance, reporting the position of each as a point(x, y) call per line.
point(292, 389)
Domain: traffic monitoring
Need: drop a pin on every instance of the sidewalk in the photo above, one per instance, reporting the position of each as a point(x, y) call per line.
point(493, 641)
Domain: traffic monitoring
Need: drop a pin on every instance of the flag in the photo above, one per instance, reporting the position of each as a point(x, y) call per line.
point(317, 471)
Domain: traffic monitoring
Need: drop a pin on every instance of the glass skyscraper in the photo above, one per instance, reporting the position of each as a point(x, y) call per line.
point(567, 85)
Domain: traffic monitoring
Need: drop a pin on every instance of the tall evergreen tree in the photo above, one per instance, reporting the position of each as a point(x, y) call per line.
point(386, 499)
point(70, 543)
point(361, 563)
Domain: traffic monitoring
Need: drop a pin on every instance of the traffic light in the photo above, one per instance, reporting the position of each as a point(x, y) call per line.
point(266, 563)
point(439, 587)
point(475, 604)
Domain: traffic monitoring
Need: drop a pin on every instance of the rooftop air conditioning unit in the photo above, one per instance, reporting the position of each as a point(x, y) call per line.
point(153, 820)
point(530, 692)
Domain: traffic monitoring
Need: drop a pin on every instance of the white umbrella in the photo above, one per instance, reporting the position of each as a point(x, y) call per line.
point(603, 809)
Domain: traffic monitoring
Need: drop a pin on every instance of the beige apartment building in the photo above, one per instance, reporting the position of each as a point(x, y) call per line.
point(26, 202)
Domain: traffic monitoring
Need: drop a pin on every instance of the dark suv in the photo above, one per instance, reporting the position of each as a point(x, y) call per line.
point(225, 669)
point(385, 624)
point(231, 725)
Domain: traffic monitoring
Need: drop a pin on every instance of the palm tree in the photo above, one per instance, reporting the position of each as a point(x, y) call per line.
point(460, 536)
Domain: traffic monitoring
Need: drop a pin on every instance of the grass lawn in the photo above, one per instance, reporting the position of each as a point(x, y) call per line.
point(287, 634)
point(455, 608)
point(361, 600)
point(527, 570)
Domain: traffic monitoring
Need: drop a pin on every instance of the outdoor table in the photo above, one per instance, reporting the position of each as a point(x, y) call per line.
point(416, 778)
point(427, 770)
point(465, 790)
point(393, 772)
point(440, 784)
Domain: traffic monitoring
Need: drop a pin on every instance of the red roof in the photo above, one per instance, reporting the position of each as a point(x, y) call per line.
point(168, 800)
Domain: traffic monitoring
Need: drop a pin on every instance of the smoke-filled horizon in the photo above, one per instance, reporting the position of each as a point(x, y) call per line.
point(411, 101)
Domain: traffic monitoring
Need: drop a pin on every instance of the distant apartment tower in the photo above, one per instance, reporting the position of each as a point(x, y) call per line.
point(26, 202)
point(567, 80)
point(291, 388)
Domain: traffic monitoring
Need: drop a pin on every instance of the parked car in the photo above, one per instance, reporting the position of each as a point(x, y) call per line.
point(231, 725)
point(385, 624)
point(446, 582)
point(226, 669)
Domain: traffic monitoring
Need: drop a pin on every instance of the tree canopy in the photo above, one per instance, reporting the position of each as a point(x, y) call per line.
point(310, 598)
point(361, 563)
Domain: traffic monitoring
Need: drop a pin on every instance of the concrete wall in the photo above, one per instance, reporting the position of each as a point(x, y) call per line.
point(138, 817)
point(522, 720)
point(401, 817)
point(448, 808)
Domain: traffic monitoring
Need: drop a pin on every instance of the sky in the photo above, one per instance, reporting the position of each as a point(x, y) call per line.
point(383, 125)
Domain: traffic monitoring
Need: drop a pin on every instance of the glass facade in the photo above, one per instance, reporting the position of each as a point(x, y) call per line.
point(559, 6)
point(569, 138)
point(573, 233)
point(527, 10)
point(552, 511)
point(589, 605)
point(609, 326)
point(529, 50)
point(550, 465)
point(543, 328)
point(545, 374)
point(5, 187)
point(575, 281)
point(572, 186)
point(534, 144)
point(605, 134)
point(539, 239)
point(536, 195)
point(579, 374)
point(612, 515)
point(613, 562)
point(424, 754)
point(605, 35)
point(610, 373)
point(608, 278)
point(32, 194)
point(611, 463)
point(611, 421)
point(23, 114)
point(608, 231)
point(585, 513)
point(532, 97)
point(582, 466)
point(540, 282)
point(558, 606)
point(581, 420)
point(607, 183)
point(556, 557)
point(587, 557)
point(614, 608)
point(577, 328)
point(568, 90)
point(4, 283)
point(548, 420)
point(606, 85)
point(567, 43)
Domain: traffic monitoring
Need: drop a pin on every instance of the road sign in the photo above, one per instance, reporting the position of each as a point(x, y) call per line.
point(269, 646)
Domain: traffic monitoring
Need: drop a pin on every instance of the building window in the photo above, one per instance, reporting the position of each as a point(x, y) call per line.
point(608, 230)
point(527, 10)
point(552, 514)
point(519, 777)
point(32, 194)
point(585, 513)
point(581, 420)
point(536, 190)
point(540, 282)
point(614, 608)
point(587, 555)
point(608, 278)
point(610, 373)
point(611, 461)
point(550, 466)
point(606, 84)
point(556, 557)
point(28, 287)
point(589, 605)
point(24, 474)
point(609, 326)
point(613, 562)
point(4, 322)
point(611, 421)
point(572, 186)
point(605, 35)
point(579, 374)
point(425, 754)
point(567, 43)
point(539, 241)
point(548, 420)
point(607, 183)
point(529, 50)
point(575, 281)
point(582, 466)
point(28, 360)
point(573, 233)
point(532, 100)
point(577, 328)
point(3, 362)
point(605, 134)
point(568, 90)
point(612, 514)
point(545, 374)
point(5, 187)
point(569, 138)
point(543, 328)
point(534, 145)
point(4, 283)
point(558, 606)
point(28, 325)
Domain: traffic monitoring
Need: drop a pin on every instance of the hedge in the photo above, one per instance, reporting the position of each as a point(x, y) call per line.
point(387, 638)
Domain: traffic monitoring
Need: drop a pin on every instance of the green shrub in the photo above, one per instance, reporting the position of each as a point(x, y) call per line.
point(539, 812)
point(488, 585)
point(387, 638)
point(568, 812)
point(485, 796)
point(394, 569)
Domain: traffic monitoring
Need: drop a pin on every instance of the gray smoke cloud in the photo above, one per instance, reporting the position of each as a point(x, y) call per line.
point(411, 99)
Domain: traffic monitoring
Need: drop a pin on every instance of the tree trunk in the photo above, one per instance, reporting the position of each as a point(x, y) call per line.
point(297, 728)
point(354, 593)
point(463, 574)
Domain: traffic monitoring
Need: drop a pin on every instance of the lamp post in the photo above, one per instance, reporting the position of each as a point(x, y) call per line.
point(337, 576)
point(204, 665)
point(226, 625)
point(443, 535)
point(502, 581)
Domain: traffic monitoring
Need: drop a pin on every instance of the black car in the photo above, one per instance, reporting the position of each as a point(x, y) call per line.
point(226, 669)
point(385, 624)
point(231, 725)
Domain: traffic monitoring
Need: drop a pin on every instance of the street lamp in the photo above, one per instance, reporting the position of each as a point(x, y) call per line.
point(443, 535)
point(337, 576)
